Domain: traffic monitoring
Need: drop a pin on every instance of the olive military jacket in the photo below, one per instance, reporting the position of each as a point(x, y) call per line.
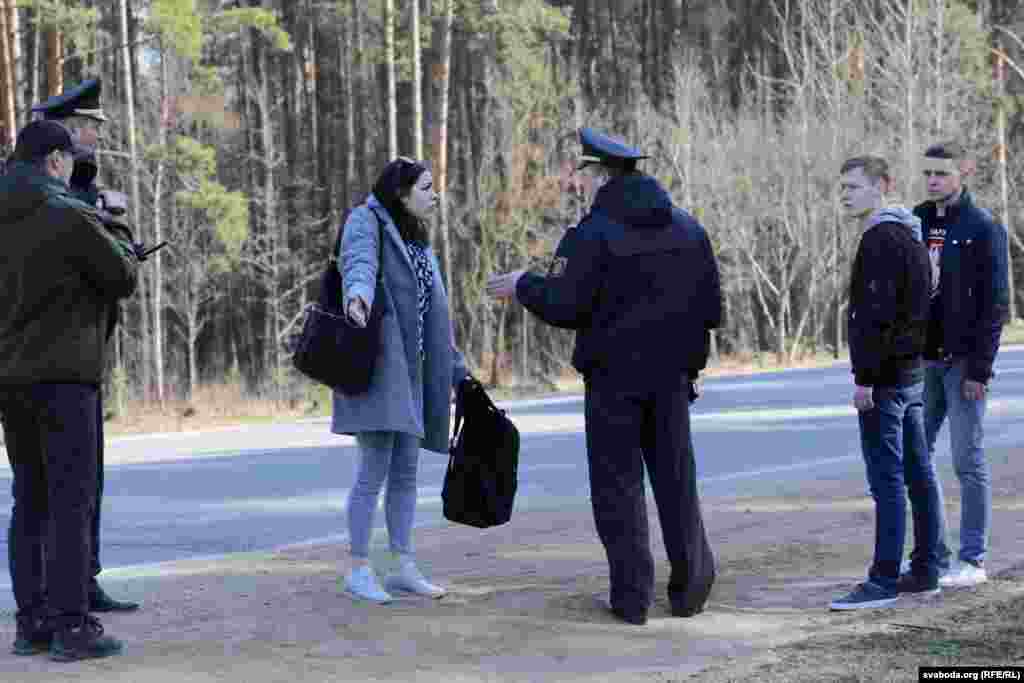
point(61, 275)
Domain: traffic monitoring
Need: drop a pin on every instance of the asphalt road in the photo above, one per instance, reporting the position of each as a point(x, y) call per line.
point(177, 496)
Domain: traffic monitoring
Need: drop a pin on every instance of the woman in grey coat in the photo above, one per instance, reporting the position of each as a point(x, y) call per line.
point(408, 403)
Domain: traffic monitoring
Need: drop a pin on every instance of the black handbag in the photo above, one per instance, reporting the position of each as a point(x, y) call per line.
point(331, 349)
point(480, 484)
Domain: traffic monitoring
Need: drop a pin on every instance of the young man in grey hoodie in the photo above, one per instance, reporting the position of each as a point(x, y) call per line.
point(888, 318)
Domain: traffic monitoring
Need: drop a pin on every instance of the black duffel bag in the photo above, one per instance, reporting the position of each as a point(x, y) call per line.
point(483, 463)
point(331, 349)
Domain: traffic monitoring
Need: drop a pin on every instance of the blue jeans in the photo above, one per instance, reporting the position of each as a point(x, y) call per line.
point(393, 456)
point(943, 395)
point(893, 442)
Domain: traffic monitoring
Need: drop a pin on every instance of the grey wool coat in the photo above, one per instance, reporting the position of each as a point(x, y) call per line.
point(405, 394)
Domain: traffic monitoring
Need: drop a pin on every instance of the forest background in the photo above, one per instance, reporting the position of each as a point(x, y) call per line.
point(245, 130)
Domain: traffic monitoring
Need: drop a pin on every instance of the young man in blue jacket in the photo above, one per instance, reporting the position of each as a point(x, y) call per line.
point(969, 304)
point(888, 314)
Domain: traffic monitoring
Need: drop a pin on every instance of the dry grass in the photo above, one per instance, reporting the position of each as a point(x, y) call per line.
point(878, 646)
point(229, 403)
point(216, 405)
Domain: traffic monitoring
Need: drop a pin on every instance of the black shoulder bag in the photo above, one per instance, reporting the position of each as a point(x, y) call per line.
point(332, 350)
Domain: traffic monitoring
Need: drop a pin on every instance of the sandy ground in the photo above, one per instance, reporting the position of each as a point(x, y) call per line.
point(522, 603)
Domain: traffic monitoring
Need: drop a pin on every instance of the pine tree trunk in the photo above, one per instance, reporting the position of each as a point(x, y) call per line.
point(14, 49)
point(54, 60)
point(158, 281)
point(347, 68)
point(389, 59)
point(441, 152)
point(37, 40)
point(417, 85)
point(7, 124)
point(146, 338)
point(361, 101)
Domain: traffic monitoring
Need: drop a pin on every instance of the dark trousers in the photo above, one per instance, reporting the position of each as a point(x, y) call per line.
point(627, 430)
point(95, 545)
point(50, 431)
point(898, 463)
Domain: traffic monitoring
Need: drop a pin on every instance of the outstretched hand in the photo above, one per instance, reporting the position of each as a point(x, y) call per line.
point(504, 286)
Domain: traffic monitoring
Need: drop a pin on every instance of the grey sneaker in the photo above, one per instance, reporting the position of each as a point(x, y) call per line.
point(361, 583)
point(409, 578)
point(865, 596)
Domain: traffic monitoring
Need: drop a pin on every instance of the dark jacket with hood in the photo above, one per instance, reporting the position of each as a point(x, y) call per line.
point(889, 291)
point(973, 304)
point(61, 274)
point(638, 281)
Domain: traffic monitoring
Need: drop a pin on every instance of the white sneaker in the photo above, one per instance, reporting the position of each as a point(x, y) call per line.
point(408, 578)
point(361, 582)
point(963, 574)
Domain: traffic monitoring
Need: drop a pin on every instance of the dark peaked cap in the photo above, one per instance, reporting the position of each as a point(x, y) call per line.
point(81, 100)
point(39, 138)
point(601, 149)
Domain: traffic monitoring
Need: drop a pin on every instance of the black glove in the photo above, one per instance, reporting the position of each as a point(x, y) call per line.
point(142, 252)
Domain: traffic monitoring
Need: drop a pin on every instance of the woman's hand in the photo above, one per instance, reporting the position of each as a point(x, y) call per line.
point(358, 312)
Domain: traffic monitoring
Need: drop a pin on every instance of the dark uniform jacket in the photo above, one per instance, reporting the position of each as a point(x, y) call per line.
point(973, 304)
point(61, 274)
point(638, 281)
point(888, 316)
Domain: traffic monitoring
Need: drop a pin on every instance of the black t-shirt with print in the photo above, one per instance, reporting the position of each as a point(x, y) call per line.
point(936, 239)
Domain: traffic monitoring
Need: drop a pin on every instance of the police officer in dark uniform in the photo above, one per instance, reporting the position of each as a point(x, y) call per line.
point(79, 109)
point(638, 281)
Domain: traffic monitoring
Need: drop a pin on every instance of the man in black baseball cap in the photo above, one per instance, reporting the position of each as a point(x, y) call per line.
point(61, 276)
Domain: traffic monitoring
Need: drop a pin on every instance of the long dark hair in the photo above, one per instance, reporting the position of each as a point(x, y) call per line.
point(395, 182)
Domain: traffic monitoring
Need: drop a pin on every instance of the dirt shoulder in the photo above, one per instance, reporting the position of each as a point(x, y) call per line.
point(522, 606)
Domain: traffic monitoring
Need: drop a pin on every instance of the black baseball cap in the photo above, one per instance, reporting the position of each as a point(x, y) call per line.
point(40, 138)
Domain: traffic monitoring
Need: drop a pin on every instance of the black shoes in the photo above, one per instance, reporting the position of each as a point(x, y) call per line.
point(686, 611)
point(83, 639)
point(99, 601)
point(634, 618)
point(32, 637)
point(911, 583)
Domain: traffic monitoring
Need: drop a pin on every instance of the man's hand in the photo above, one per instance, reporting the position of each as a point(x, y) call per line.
point(862, 399)
point(358, 312)
point(504, 286)
point(113, 202)
point(974, 391)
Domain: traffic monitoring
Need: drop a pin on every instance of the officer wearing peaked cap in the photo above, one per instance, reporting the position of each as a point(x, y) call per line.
point(81, 100)
point(79, 108)
point(638, 281)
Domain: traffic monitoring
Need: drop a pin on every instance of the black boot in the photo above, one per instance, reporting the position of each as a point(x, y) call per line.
point(99, 601)
point(82, 638)
point(32, 636)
